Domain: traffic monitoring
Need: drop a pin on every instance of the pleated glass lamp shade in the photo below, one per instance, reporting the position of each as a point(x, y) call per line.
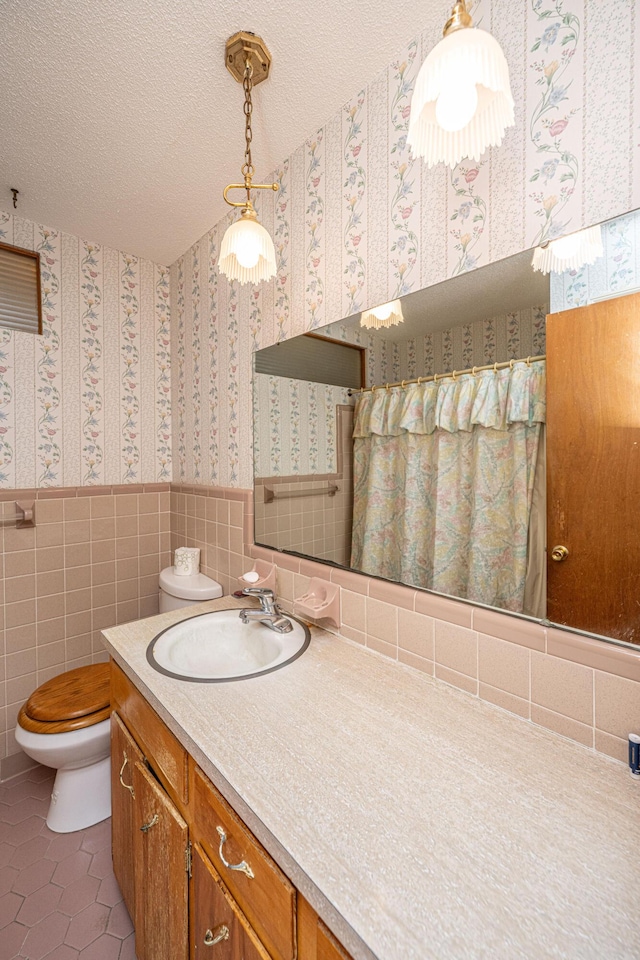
point(462, 101)
point(247, 253)
point(569, 253)
point(386, 315)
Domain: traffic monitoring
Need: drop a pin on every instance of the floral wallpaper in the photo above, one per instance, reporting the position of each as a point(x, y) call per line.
point(281, 405)
point(511, 336)
point(616, 271)
point(357, 221)
point(88, 402)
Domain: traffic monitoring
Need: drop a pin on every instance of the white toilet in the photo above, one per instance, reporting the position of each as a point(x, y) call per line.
point(65, 725)
point(179, 591)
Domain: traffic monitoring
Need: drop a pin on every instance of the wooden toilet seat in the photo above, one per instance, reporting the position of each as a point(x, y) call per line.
point(75, 699)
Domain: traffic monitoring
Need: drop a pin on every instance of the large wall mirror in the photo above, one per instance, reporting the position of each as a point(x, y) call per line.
point(486, 447)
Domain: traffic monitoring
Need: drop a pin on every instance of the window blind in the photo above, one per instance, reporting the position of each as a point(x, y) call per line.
point(20, 307)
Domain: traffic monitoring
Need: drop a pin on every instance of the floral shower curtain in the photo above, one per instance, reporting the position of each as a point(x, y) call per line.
point(443, 481)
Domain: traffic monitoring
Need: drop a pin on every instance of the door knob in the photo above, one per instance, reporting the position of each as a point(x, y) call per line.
point(559, 553)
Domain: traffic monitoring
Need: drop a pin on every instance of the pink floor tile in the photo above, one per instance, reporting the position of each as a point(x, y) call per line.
point(26, 808)
point(71, 868)
point(59, 899)
point(63, 952)
point(45, 936)
point(79, 895)
point(13, 937)
point(8, 876)
point(9, 906)
point(120, 922)
point(64, 844)
point(29, 852)
point(128, 949)
point(17, 792)
point(33, 877)
point(87, 925)
point(97, 838)
point(109, 891)
point(39, 773)
point(101, 864)
point(39, 905)
point(104, 948)
point(6, 852)
point(21, 832)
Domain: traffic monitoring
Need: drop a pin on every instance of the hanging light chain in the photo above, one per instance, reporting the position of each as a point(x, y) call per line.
point(247, 83)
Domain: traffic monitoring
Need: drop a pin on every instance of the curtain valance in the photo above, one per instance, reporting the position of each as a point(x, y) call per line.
point(490, 399)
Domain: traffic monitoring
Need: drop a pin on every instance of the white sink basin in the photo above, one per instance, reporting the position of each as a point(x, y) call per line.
point(213, 647)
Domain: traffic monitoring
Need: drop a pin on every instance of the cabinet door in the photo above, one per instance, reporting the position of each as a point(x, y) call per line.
point(315, 940)
point(160, 845)
point(219, 929)
point(124, 755)
point(265, 895)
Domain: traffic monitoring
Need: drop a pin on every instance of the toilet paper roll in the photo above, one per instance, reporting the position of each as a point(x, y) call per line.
point(186, 561)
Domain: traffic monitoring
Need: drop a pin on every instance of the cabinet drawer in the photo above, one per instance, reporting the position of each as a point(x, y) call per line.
point(267, 897)
point(217, 920)
point(166, 755)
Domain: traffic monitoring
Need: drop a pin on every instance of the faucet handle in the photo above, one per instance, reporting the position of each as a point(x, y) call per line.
point(258, 592)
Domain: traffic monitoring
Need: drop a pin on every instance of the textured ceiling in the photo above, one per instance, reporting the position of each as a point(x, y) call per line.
point(119, 122)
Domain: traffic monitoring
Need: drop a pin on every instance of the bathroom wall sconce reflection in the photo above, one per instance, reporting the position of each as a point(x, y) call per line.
point(462, 102)
point(386, 315)
point(572, 252)
point(247, 253)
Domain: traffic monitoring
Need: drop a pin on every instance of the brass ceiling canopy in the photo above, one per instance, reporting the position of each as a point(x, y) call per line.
point(243, 46)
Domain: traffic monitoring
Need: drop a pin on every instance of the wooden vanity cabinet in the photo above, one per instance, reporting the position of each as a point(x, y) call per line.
point(195, 880)
point(216, 920)
point(125, 753)
point(265, 895)
point(160, 847)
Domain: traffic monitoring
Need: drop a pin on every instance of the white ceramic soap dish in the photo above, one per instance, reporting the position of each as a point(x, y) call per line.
point(320, 602)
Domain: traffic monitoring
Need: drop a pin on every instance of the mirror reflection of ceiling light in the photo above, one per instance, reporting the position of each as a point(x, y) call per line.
point(386, 315)
point(462, 101)
point(247, 253)
point(569, 253)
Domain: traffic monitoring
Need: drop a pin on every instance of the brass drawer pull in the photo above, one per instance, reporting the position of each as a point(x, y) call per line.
point(126, 785)
point(147, 826)
point(243, 867)
point(211, 938)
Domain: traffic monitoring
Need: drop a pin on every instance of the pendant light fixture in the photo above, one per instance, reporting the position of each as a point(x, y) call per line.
point(573, 252)
point(386, 315)
point(462, 101)
point(247, 253)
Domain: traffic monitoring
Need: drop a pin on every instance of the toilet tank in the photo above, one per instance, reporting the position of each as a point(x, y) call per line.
point(177, 591)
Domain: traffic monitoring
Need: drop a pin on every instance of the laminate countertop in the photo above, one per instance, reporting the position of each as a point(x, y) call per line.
point(418, 821)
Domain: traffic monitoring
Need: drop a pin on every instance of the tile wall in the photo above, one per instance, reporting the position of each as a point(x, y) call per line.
point(91, 561)
point(579, 687)
point(218, 520)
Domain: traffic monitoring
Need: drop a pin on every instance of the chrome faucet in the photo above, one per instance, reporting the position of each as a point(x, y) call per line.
point(269, 612)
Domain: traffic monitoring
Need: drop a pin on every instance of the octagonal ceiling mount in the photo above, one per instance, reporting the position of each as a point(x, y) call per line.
point(243, 45)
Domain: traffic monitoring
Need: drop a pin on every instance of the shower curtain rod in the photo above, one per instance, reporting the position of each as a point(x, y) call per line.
point(443, 376)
